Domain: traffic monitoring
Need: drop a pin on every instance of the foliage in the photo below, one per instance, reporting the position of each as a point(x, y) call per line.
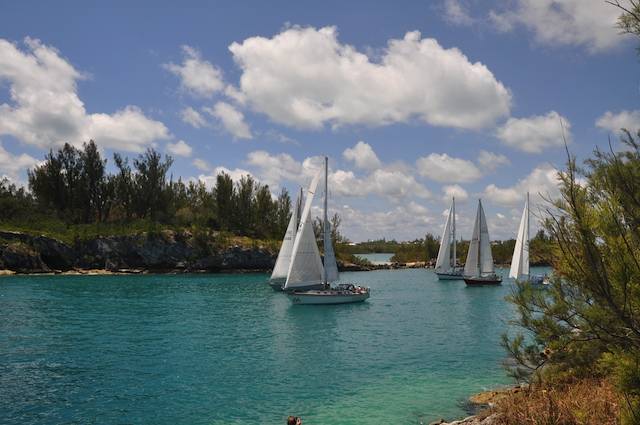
point(589, 321)
point(73, 195)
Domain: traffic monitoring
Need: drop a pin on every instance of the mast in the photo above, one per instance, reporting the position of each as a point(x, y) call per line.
point(453, 206)
point(325, 227)
point(480, 237)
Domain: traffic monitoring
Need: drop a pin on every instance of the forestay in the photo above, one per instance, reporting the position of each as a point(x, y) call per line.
point(306, 265)
point(283, 261)
point(443, 263)
point(520, 261)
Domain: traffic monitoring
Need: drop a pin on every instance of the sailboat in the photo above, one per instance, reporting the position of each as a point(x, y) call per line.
point(308, 280)
point(520, 261)
point(281, 268)
point(447, 263)
point(478, 269)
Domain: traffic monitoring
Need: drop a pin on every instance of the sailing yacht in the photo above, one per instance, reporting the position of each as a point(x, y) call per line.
point(447, 263)
point(281, 268)
point(308, 280)
point(478, 269)
point(520, 261)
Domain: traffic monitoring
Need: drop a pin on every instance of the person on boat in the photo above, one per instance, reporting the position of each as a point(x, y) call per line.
point(294, 420)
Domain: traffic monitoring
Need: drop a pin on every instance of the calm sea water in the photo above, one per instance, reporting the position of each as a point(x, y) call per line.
point(226, 349)
point(377, 258)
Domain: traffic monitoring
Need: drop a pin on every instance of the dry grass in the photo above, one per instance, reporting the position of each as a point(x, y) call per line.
point(584, 402)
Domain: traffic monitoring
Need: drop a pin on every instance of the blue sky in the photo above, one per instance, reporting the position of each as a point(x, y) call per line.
point(412, 101)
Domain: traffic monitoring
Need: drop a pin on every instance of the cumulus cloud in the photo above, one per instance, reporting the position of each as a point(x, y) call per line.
point(541, 182)
point(446, 169)
point(491, 161)
point(588, 23)
point(192, 117)
point(455, 12)
point(454, 190)
point(306, 78)
point(236, 174)
point(45, 109)
point(231, 119)
point(201, 164)
point(536, 133)
point(180, 148)
point(363, 156)
point(614, 122)
point(403, 222)
point(14, 166)
point(388, 182)
point(197, 76)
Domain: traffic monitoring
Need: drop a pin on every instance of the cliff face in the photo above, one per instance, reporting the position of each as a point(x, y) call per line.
point(167, 250)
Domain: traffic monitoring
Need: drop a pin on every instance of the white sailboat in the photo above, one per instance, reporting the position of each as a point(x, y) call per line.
point(447, 263)
point(308, 280)
point(520, 261)
point(478, 269)
point(281, 268)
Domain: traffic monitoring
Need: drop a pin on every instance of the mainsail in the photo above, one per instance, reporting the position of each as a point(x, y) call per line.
point(306, 266)
point(446, 261)
point(479, 259)
point(520, 261)
point(330, 264)
point(283, 261)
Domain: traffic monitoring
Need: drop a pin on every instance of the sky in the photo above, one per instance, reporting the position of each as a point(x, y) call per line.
point(412, 101)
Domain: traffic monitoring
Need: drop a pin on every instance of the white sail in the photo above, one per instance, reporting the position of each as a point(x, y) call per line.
point(283, 261)
point(330, 264)
point(520, 261)
point(486, 258)
point(306, 265)
point(443, 262)
point(471, 266)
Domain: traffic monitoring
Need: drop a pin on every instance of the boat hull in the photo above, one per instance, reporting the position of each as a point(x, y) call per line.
point(277, 284)
point(449, 276)
point(483, 280)
point(327, 297)
point(313, 287)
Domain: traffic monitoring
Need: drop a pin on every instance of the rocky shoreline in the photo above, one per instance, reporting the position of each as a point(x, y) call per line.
point(164, 252)
point(483, 401)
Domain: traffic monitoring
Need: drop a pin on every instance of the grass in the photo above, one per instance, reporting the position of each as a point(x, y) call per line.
point(584, 402)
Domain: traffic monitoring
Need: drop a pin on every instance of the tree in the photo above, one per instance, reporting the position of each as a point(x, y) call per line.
point(93, 197)
point(150, 184)
point(589, 321)
point(224, 191)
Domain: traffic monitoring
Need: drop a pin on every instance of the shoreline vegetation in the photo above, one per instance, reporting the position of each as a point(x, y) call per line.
point(75, 215)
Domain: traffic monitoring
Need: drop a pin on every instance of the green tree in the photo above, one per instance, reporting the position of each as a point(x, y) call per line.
point(224, 191)
point(150, 184)
point(589, 321)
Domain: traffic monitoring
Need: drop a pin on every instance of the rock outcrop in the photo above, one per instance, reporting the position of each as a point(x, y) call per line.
point(164, 251)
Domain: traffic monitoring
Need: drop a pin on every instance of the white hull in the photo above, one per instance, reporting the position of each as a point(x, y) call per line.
point(449, 276)
point(327, 297)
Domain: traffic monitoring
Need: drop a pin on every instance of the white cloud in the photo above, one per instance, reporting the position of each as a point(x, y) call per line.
point(210, 179)
point(404, 222)
point(232, 119)
point(542, 182)
point(447, 169)
point(45, 109)
point(180, 148)
point(456, 13)
point(490, 161)
point(15, 166)
point(387, 182)
point(305, 78)
point(589, 23)
point(454, 190)
point(535, 133)
point(192, 117)
point(614, 122)
point(363, 156)
point(197, 76)
point(201, 164)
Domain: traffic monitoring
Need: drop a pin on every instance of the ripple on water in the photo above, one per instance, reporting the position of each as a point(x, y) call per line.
point(226, 349)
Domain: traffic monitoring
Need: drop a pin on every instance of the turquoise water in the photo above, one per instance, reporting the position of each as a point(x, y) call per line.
point(226, 349)
point(377, 258)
